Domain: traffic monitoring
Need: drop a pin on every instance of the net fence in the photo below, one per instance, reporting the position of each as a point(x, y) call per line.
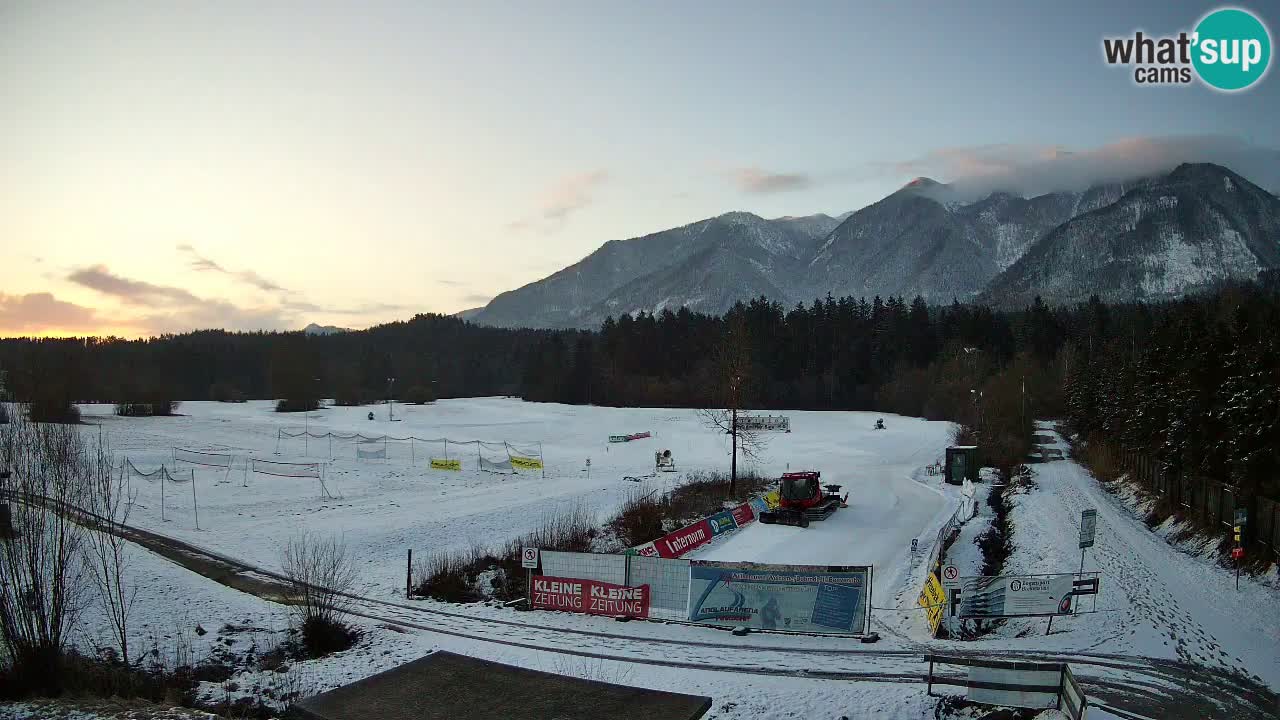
point(438, 453)
point(203, 457)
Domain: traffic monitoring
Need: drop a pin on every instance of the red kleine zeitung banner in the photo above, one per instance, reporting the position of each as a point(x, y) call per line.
point(589, 596)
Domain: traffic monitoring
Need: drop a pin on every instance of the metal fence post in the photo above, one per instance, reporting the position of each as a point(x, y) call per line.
point(408, 576)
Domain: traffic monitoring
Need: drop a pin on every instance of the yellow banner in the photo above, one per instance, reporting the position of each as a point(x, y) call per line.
point(934, 600)
point(771, 498)
point(525, 463)
point(438, 464)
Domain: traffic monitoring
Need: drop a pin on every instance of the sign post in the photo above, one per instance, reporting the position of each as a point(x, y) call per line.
point(951, 588)
point(529, 561)
point(1088, 533)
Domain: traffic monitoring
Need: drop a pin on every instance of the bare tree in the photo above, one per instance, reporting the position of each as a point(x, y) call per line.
point(321, 574)
point(42, 567)
point(731, 363)
point(106, 546)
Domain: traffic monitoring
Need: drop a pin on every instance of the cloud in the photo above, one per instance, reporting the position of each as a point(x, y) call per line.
point(201, 263)
point(134, 292)
point(758, 181)
point(477, 299)
point(41, 312)
point(565, 197)
point(219, 314)
point(1037, 169)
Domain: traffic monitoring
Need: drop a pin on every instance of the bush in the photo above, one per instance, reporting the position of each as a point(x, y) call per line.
point(648, 516)
point(640, 519)
point(297, 405)
point(321, 637)
point(53, 410)
point(321, 574)
point(476, 573)
point(419, 395)
point(225, 392)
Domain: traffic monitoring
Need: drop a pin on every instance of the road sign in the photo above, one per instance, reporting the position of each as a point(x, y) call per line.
point(1242, 516)
point(950, 576)
point(529, 558)
point(914, 543)
point(1237, 553)
point(1088, 527)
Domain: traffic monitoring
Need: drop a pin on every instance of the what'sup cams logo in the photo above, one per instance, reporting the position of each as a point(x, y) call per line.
point(1229, 50)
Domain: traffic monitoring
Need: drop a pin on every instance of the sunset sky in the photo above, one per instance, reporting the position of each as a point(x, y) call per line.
point(166, 166)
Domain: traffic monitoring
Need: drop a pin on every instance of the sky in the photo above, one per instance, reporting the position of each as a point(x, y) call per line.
point(180, 165)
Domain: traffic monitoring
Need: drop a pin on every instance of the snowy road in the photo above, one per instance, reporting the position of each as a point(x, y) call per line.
point(1160, 600)
point(887, 509)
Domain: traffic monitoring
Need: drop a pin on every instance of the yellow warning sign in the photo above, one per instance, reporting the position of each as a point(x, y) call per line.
point(933, 599)
point(439, 464)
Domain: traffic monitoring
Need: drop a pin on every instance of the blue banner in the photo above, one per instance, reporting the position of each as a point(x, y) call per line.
point(722, 522)
point(799, 598)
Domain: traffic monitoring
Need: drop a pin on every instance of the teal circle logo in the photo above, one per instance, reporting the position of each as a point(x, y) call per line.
point(1232, 49)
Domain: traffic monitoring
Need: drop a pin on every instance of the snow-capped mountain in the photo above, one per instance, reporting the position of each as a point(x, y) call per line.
point(1196, 227)
point(314, 329)
point(1153, 238)
point(705, 265)
point(921, 240)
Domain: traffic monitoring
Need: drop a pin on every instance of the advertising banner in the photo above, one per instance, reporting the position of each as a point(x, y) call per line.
point(629, 438)
point(721, 522)
point(526, 463)
point(743, 514)
point(800, 598)
point(648, 550)
point(589, 596)
point(439, 464)
point(675, 544)
point(933, 599)
point(1016, 596)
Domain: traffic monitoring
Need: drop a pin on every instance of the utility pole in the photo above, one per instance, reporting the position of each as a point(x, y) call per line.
point(733, 434)
point(391, 403)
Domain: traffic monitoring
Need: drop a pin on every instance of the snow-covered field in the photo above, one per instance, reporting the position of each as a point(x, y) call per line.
point(1156, 602)
point(385, 507)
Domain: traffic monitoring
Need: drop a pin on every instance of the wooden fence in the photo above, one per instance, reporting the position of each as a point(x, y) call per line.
point(1210, 503)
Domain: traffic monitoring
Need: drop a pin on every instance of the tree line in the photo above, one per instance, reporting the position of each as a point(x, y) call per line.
point(1192, 382)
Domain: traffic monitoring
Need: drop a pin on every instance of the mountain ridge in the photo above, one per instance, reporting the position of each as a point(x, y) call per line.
point(919, 240)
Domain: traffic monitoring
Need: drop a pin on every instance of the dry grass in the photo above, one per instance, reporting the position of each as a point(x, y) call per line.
point(647, 515)
point(478, 573)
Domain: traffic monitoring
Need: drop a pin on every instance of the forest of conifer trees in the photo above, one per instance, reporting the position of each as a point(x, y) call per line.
point(1192, 383)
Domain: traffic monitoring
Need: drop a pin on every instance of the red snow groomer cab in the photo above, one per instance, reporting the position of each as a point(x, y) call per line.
point(801, 499)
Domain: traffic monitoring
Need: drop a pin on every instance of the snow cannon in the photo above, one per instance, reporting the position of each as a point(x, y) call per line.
point(663, 461)
point(802, 497)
